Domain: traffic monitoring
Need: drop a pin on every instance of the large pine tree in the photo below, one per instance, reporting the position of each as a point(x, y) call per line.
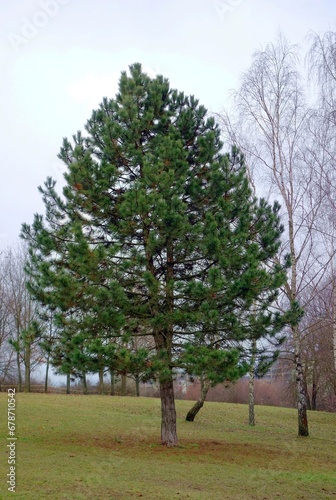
point(156, 233)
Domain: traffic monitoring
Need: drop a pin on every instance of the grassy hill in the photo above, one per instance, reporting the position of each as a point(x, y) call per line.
point(100, 447)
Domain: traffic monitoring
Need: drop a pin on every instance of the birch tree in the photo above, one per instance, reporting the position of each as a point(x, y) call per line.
point(273, 132)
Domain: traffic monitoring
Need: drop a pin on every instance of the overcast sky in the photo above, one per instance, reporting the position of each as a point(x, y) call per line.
point(60, 57)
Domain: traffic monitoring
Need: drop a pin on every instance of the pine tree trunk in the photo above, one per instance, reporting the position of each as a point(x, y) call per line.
point(112, 391)
point(205, 386)
point(251, 383)
point(137, 385)
point(251, 397)
point(163, 344)
point(27, 367)
point(48, 355)
point(123, 384)
point(101, 381)
point(68, 382)
point(85, 389)
point(300, 386)
point(168, 413)
point(46, 376)
point(18, 363)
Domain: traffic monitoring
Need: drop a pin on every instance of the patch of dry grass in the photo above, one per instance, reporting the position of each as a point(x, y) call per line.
point(100, 447)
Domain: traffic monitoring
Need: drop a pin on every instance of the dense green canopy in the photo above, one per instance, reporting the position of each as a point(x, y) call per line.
point(156, 236)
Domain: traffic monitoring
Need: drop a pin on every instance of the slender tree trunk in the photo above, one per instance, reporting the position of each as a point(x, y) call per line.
point(101, 381)
point(137, 385)
point(6, 370)
point(251, 385)
point(85, 389)
point(314, 390)
point(306, 390)
point(18, 364)
point(48, 355)
point(163, 342)
point(123, 384)
point(309, 406)
point(205, 386)
point(168, 413)
point(46, 376)
point(300, 378)
point(27, 367)
point(300, 386)
point(112, 391)
point(68, 383)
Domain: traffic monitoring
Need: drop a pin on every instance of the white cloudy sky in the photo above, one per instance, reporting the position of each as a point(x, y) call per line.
point(60, 57)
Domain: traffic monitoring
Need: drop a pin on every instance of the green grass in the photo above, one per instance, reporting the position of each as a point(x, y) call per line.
point(100, 447)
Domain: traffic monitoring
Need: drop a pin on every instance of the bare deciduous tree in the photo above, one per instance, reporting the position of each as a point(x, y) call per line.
point(6, 352)
point(322, 69)
point(273, 128)
point(22, 327)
